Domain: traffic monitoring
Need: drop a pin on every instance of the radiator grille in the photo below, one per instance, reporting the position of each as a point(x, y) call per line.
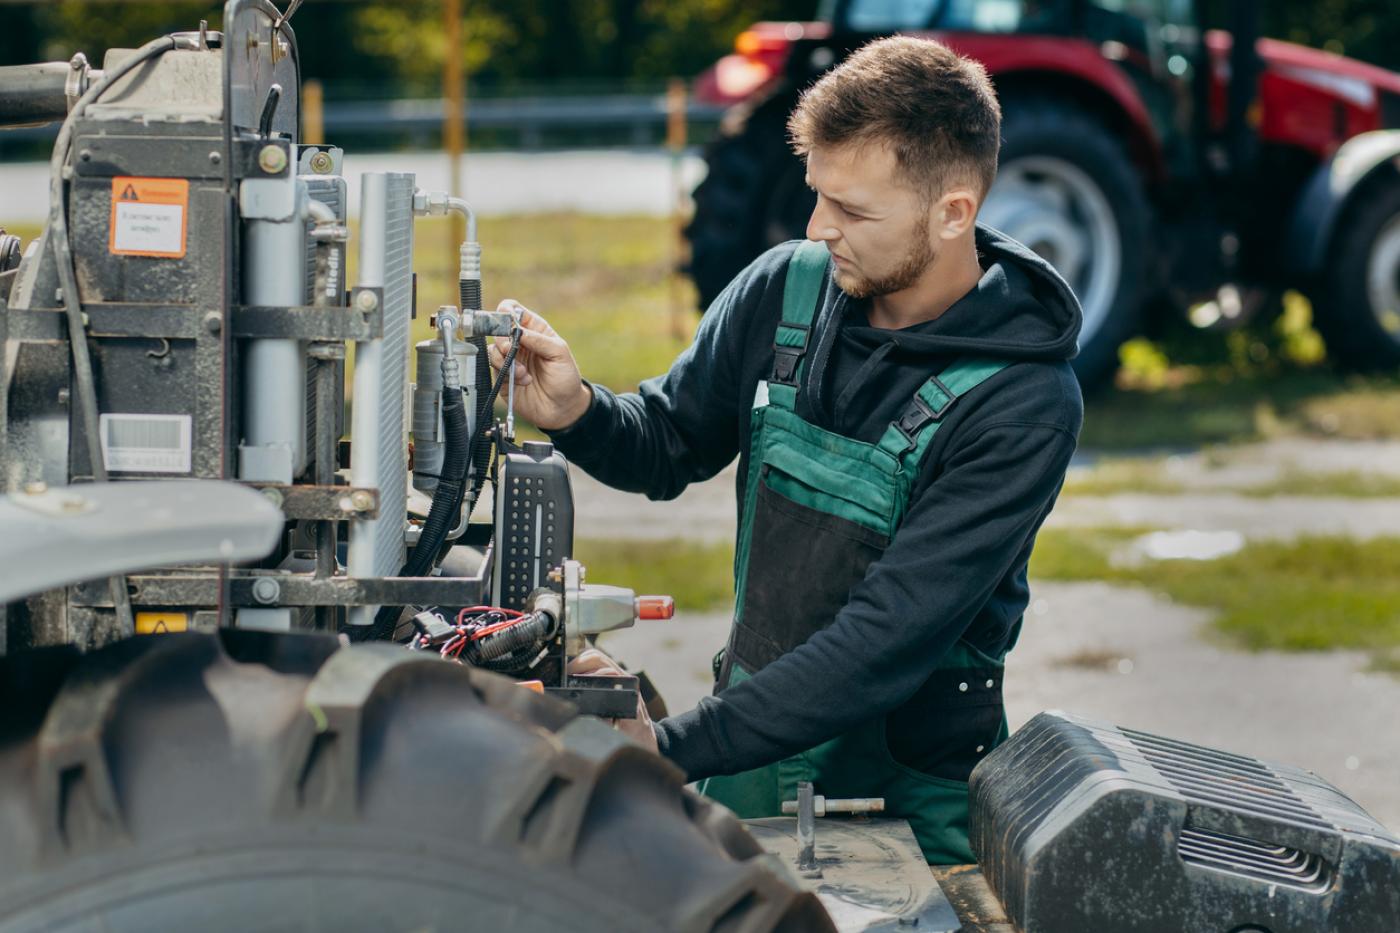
point(1251, 858)
point(378, 457)
point(1206, 776)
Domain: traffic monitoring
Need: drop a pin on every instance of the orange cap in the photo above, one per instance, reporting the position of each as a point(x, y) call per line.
point(535, 685)
point(655, 607)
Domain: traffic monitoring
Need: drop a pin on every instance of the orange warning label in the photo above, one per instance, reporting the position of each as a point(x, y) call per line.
point(149, 217)
point(158, 623)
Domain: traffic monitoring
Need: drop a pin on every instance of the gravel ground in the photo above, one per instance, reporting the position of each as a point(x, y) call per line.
point(1122, 654)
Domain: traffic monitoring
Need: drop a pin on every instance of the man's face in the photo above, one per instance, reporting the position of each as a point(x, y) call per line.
point(875, 225)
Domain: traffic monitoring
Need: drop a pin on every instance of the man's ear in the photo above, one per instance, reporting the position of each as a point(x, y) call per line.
point(955, 213)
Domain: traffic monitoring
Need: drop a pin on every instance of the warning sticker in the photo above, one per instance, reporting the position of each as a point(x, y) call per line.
point(159, 623)
point(149, 217)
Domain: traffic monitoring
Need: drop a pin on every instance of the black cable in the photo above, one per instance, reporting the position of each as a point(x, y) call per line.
point(448, 497)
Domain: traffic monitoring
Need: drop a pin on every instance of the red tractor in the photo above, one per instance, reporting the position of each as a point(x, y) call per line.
point(1154, 165)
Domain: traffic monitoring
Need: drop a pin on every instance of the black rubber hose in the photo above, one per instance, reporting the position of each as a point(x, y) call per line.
point(470, 293)
point(442, 515)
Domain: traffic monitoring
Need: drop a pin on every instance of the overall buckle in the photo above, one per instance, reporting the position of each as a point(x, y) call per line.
point(919, 414)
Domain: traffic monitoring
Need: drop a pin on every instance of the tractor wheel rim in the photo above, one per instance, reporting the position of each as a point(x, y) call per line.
point(1059, 211)
point(1383, 278)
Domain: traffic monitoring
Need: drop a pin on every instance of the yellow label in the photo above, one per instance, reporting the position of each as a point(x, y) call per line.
point(149, 217)
point(158, 623)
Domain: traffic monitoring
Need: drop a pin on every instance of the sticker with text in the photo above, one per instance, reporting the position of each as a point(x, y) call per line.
point(149, 217)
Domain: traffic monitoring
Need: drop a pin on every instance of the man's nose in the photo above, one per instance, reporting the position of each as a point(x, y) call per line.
point(819, 225)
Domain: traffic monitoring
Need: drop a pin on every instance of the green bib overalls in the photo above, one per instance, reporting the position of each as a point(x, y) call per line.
point(819, 507)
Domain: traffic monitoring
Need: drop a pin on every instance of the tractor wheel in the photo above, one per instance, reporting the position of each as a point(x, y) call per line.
point(1066, 188)
point(1358, 304)
point(249, 781)
point(753, 197)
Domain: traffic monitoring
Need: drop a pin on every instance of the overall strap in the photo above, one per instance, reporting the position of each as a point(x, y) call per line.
point(908, 437)
point(806, 275)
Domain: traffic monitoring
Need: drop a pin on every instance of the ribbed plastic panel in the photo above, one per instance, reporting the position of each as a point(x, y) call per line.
point(378, 455)
point(1082, 826)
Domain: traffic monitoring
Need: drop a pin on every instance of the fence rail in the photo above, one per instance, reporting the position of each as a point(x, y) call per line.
point(638, 117)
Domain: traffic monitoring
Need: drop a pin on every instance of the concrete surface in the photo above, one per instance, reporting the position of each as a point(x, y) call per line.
point(602, 181)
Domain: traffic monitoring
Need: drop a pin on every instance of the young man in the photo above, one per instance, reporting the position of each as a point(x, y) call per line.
point(898, 393)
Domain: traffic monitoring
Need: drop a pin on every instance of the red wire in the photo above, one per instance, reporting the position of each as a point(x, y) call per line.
point(475, 609)
point(496, 627)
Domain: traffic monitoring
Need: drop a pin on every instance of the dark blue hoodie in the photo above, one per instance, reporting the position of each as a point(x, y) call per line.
point(957, 566)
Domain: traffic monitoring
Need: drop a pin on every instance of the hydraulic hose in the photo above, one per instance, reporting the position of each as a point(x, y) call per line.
point(447, 498)
point(57, 238)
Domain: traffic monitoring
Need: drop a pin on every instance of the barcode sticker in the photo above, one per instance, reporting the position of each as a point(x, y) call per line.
point(146, 443)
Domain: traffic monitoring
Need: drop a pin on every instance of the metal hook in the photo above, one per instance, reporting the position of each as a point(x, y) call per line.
point(163, 352)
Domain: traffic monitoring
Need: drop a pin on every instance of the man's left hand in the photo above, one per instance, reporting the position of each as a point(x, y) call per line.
point(595, 663)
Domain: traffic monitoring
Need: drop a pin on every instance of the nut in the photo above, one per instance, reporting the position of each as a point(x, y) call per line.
point(272, 159)
point(322, 163)
point(361, 500)
point(366, 300)
point(213, 322)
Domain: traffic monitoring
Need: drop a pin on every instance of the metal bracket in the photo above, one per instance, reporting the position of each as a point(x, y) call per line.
point(322, 503)
point(195, 589)
point(308, 322)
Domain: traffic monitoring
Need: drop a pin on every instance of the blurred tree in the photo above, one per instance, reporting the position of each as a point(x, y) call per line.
point(398, 45)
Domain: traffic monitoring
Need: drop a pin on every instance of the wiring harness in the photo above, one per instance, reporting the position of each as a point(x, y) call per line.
point(487, 636)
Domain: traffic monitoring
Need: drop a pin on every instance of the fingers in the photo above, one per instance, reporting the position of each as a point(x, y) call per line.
point(529, 320)
point(593, 661)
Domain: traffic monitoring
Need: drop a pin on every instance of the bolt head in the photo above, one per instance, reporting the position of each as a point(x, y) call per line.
point(322, 163)
point(266, 590)
point(361, 500)
point(36, 488)
point(274, 496)
point(272, 159)
point(213, 322)
point(366, 301)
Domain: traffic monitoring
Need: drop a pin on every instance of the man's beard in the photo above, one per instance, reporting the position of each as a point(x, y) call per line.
point(920, 256)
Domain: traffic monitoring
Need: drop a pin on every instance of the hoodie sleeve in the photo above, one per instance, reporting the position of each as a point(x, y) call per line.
point(682, 427)
point(961, 536)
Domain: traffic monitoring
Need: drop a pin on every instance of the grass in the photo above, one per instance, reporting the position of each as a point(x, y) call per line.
point(700, 577)
point(1220, 407)
point(604, 283)
point(1310, 594)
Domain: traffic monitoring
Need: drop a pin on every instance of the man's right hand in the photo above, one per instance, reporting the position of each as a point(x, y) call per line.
point(549, 390)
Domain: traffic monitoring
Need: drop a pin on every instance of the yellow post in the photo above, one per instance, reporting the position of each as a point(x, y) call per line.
point(675, 141)
point(313, 103)
point(454, 129)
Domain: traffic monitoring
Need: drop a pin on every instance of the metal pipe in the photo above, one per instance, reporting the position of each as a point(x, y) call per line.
point(274, 371)
point(43, 92)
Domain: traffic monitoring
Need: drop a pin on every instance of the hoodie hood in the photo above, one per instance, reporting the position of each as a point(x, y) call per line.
point(1021, 309)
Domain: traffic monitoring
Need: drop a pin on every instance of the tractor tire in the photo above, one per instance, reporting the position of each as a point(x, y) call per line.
point(753, 197)
point(1357, 306)
point(251, 781)
point(1067, 189)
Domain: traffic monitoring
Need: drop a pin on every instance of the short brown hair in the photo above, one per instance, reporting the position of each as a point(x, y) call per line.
point(936, 108)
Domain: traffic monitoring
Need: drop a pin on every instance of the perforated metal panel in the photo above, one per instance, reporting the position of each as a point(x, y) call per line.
point(378, 451)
